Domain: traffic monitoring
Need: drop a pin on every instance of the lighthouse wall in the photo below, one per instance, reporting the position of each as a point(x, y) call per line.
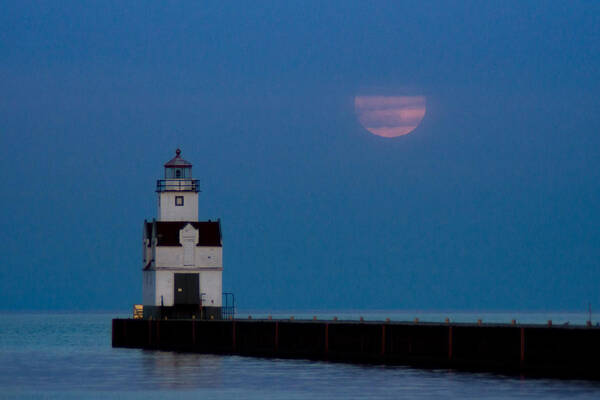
point(168, 211)
point(159, 285)
point(210, 285)
point(173, 257)
point(164, 288)
point(149, 287)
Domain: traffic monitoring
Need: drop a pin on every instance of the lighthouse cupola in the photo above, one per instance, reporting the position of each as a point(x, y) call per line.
point(178, 168)
point(178, 191)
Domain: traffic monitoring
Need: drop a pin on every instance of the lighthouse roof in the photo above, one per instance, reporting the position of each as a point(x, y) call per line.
point(167, 232)
point(177, 161)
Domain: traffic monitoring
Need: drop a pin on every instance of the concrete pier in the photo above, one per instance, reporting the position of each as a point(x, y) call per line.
point(529, 350)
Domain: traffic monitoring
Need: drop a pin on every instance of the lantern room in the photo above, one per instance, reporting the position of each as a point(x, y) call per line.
point(178, 168)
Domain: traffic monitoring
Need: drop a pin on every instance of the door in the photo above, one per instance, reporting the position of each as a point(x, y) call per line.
point(187, 289)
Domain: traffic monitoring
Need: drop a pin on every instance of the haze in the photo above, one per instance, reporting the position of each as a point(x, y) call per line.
point(491, 203)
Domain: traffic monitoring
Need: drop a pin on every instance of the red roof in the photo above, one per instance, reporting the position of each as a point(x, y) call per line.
point(177, 161)
point(167, 232)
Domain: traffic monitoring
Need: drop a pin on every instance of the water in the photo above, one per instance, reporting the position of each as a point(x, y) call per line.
point(57, 356)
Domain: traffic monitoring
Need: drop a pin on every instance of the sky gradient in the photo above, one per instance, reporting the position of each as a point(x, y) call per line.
point(491, 203)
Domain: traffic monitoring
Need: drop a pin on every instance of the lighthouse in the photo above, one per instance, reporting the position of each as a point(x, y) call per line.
point(182, 257)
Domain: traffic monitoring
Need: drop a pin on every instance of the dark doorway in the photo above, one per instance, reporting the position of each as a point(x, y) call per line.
point(187, 289)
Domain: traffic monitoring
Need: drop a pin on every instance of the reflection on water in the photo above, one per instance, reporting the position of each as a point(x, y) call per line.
point(69, 356)
point(170, 370)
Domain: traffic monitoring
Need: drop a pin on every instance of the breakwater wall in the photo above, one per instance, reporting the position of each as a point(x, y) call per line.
point(530, 350)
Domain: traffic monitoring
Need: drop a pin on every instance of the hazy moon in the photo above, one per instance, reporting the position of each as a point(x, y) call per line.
point(390, 116)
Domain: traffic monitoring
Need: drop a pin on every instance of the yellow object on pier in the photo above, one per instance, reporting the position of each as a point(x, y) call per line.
point(138, 311)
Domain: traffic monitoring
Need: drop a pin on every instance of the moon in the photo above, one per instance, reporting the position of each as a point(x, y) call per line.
point(390, 116)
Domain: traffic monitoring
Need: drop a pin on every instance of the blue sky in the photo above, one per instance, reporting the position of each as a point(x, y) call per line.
point(491, 203)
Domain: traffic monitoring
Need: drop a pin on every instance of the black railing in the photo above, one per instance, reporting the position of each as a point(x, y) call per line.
point(178, 185)
point(228, 307)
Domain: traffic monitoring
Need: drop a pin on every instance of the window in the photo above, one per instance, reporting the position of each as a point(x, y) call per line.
point(178, 200)
point(178, 173)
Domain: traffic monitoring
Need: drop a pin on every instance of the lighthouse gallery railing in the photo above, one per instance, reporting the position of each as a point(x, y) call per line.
point(178, 185)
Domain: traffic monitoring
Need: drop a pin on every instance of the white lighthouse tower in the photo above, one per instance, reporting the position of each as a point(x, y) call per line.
point(182, 257)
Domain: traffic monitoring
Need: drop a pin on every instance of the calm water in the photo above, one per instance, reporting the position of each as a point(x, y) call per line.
point(69, 356)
